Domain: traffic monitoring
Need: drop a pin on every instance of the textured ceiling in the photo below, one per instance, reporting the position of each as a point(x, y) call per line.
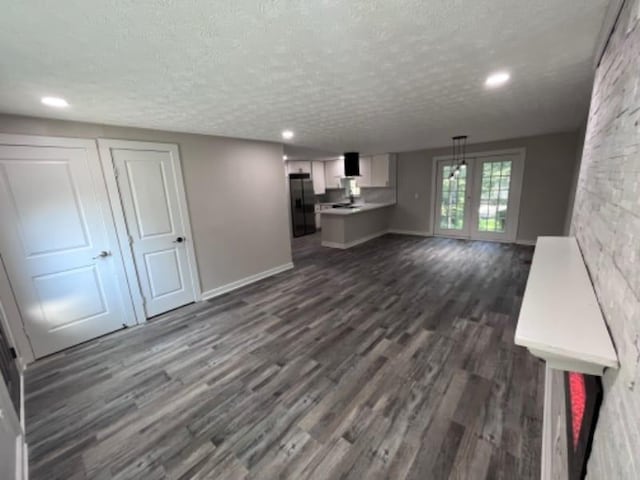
point(368, 75)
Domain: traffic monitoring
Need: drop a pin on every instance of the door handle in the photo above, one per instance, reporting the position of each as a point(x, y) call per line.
point(179, 240)
point(102, 254)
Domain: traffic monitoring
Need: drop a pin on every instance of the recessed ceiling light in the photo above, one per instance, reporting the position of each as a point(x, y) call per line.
point(287, 134)
point(55, 102)
point(284, 157)
point(497, 79)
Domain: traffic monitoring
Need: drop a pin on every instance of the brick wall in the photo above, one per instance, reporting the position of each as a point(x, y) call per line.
point(606, 221)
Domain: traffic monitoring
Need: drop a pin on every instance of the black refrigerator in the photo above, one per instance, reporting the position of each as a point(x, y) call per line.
point(303, 201)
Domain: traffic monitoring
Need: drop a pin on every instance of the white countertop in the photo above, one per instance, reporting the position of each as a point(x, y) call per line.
point(365, 207)
point(560, 319)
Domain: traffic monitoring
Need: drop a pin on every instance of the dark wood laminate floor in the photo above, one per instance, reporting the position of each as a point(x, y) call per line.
point(394, 359)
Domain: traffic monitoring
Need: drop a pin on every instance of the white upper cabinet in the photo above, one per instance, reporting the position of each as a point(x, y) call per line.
point(316, 169)
point(365, 172)
point(374, 172)
point(318, 176)
point(334, 171)
point(299, 167)
point(380, 170)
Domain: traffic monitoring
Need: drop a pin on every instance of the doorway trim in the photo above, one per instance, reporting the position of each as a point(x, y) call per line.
point(104, 147)
point(517, 184)
point(14, 422)
point(13, 322)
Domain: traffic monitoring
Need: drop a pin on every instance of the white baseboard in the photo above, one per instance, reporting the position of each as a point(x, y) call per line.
point(344, 246)
point(411, 232)
point(531, 243)
point(416, 233)
point(456, 237)
point(333, 245)
point(22, 452)
point(22, 414)
point(547, 432)
point(215, 292)
point(22, 459)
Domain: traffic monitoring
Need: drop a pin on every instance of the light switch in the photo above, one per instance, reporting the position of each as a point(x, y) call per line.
point(416, 196)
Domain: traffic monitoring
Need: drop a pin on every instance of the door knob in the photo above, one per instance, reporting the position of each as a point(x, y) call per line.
point(102, 254)
point(179, 240)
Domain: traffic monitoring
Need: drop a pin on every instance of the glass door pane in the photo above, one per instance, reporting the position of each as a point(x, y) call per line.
point(451, 212)
point(494, 196)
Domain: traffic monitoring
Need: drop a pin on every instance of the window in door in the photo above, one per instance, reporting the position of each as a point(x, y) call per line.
point(452, 202)
point(494, 196)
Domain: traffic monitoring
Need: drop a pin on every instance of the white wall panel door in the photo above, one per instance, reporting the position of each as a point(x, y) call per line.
point(152, 196)
point(58, 242)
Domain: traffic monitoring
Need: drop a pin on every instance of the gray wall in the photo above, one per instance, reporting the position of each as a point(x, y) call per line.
point(606, 221)
point(547, 184)
point(236, 191)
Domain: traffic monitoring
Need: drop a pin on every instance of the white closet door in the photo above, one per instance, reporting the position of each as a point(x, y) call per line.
point(152, 196)
point(58, 242)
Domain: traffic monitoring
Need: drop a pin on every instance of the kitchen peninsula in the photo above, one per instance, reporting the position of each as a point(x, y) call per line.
point(350, 225)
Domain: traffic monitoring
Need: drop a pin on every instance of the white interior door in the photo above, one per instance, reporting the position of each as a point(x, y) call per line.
point(58, 242)
point(452, 200)
point(152, 196)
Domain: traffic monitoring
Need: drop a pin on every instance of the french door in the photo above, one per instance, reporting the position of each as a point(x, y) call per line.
point(452, 199)
point(482, 200)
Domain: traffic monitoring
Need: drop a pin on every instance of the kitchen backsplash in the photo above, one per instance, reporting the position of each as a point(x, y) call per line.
point(368, 194)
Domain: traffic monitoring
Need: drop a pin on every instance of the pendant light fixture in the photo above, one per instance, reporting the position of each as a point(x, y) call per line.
point(459, 157)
